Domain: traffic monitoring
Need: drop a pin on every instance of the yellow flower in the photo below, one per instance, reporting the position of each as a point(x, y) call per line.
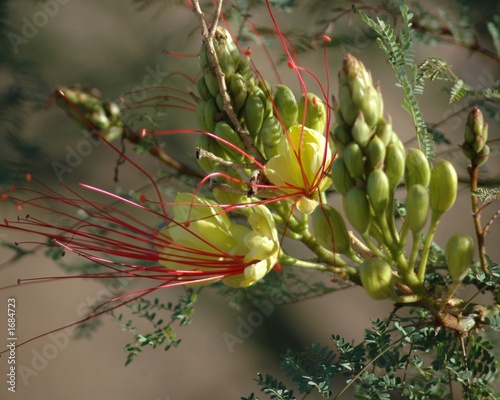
point(202, 237)
point(300, 168)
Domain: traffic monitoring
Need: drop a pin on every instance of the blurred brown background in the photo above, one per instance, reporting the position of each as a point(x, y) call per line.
point(113, 46)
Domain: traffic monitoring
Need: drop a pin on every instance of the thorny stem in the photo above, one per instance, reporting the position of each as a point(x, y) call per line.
point(208, 36)
point(476, 216)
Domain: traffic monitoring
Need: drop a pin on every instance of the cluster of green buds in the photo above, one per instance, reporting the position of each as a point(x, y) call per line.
point(264, 114)
point(476, 135)
point(371, 164)
point(371, 157)
point(88, 109)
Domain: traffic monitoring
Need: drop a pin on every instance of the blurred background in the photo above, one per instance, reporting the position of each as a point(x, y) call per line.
point(118, 47)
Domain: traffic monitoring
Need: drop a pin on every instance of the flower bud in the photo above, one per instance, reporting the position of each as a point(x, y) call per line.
point(270, 135)
point(341, 177)
point(417, 170)
point(384, 130)
point(443, 187)
point(394, 165)
point(286, 105)
point(315, 112)
point(476, 131)
point(377, 189)
point(357, 209)
point(203, 89)
point(376, 278)
point(254, 111)
point(361, 132)
point(330, 230)
point(224, 131)
point(417, 207)
point(353, 158)
point(238, 92)
point(375, 153)
point(459, 252)
point(211, 112)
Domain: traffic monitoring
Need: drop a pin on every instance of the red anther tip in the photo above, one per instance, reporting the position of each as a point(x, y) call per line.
point(277, 268)
point(142, 198)
point(327, 38)
point(334, 280)
point(28, 177)
point(248, 52)
point(291, 64)
point(315, 101)
point(19, 206)
point(4, 196)
point(187, 223)
point(13, 187)
point(6, 222)
point(143, 132)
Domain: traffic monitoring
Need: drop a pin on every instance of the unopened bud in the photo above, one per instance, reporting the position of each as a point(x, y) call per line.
point(443, 187)
point(417, 207)
point(315, 112)
point(377, 188)
point(341, 177)
point(357, 209)
point(459, 252)
point(330, 230)
point(417, 170)
point(286, 105)
point(376, 278)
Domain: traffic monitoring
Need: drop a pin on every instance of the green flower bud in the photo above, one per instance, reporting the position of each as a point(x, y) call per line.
point(417, 169)
point(227, 52)
point(372, 107)
point(200, 115)
point(211, 82)
point(375, 153)
point(361, 132)
point(394, 165)
point(459, 252)
point(443, 187)
point(384, 130)
point(330, 230)
point(377, 279)
point(353, 158)
point(347, 110)
point(417, 207)
point(482, 156)
point(357, 209)
point(226, 132)
point(238, 91)
point(341, 134)
point(341, 177)
point(265, 95)
point(203, 89)
point(476, 131)
point(357, 93)
point(377, 189)
point(315, 110)
point(211, 112)
point(254, 111)
point(286, 105)
point(270, 135)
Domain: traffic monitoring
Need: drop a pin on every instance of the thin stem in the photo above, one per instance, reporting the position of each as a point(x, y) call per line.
point(427, 246)
point(476, 216)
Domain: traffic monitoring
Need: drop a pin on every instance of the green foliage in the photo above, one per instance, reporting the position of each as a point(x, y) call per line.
point(162, 329)
point(403, 355)
point(397, 49)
